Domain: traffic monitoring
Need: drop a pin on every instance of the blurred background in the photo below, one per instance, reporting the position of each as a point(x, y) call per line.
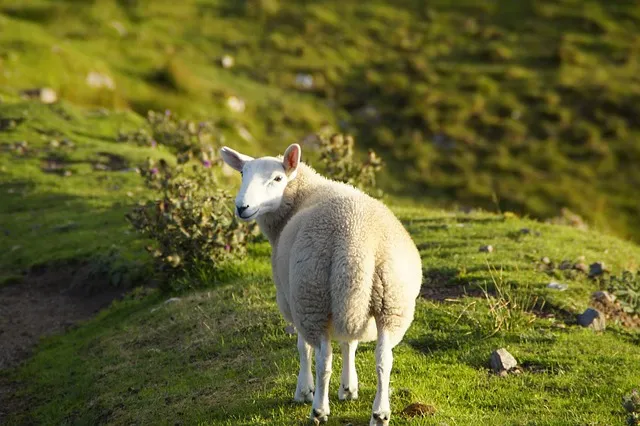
point(528, 106)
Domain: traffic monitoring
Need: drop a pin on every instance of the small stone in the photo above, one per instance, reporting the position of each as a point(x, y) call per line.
point(487, 249)
point(592, 318)
point(557, 286)
point(596, 269)
point(46, 95)
point(98, 80)
point(564, 265)
point(227, 61)
point(236, 104)
point(502, 360)
point(546, 260)
point(304, 81)
point(525, 231)
point(290, 329)
point(604, 296)
point(416, 409)
point(67, 173)
point(582, 267)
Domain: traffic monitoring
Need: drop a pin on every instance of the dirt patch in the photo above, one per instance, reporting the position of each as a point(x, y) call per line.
point(108, 161)
point(614, 313)
point(449, 292)
point(44, 303)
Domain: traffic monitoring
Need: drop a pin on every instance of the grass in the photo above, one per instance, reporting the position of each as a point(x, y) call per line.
point(511, 106)
point(532, 104)
point(221, 356)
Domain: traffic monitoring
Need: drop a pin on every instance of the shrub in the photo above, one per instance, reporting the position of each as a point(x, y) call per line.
point(187, 139)
point(631, 404)
point(626, 288)
point(338, 162)
point(189, 219)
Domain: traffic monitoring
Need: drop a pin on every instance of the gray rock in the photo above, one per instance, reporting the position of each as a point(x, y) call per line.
point(604, 296)
point(592, 318)
point(46, 95)
point(290, 329)
point(582, 267)
point(487, 249)
point(596, 269)
point(502, 360)
point(546, 260)
point(557, 286)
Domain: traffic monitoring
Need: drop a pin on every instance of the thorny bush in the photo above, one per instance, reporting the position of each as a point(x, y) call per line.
point(337, 159)
point(189, 218)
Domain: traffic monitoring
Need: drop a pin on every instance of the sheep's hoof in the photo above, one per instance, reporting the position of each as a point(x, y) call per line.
point(319, 416)
point(380, 418)
point(303, 395)
point(346, 394)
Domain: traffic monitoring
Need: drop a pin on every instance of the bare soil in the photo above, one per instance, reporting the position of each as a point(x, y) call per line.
point(46, 302)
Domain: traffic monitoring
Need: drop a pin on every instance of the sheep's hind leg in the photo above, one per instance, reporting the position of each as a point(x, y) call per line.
point(304, 389)
point(324, 357)
point(384, 360)
point(349, 379)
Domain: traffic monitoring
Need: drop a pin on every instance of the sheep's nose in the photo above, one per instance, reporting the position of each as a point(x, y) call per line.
point(241, 209)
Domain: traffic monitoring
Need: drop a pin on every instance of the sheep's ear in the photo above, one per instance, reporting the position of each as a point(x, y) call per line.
point(234, 158)
point(291, 160)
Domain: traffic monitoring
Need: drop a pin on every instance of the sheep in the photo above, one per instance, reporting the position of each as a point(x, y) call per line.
point(344, 267)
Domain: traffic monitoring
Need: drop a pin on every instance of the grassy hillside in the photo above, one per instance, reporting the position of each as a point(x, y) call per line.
point(221, 356)
point(527, 106)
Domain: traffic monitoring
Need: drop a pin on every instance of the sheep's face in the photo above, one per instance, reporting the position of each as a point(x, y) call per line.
point(263, 180)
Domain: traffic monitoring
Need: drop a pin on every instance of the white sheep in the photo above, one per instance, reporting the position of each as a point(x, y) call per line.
point(344, 268)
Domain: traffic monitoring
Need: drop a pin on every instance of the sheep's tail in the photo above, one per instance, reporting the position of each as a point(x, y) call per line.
point(352, 274)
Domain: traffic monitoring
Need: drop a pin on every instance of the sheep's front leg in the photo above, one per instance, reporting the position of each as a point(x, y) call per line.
point(384, 360)
point(304, 389)
point(324, 357)
point(349, 378)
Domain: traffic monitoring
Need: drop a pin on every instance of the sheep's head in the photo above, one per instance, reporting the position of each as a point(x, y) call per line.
point(263, 180)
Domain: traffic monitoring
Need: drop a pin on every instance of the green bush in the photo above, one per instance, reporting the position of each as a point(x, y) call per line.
point(189, 219)
point(338, 162)
point(631, 404)
point(626, 288)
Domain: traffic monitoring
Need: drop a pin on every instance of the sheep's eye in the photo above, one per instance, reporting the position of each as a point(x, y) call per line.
point(277, 178)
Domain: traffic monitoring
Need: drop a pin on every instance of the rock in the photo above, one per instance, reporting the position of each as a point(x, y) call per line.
point(98, 80)
point(487, 249)
point(546, 260)
point(582, 267)
point(227, 61)
point(604, 296)
point(564, 265)
point(596, 269)
point(304, 81)
point(525, 231)
point(592, 318)
point(46, 95)
point(245, 134)
point(236, 104)
point(502, 360)
point(416, 409)
point(119, 27)
point(557, 286)
point(290, 329)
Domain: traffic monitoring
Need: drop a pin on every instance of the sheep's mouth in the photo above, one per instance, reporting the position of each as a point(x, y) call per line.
point(251, 216)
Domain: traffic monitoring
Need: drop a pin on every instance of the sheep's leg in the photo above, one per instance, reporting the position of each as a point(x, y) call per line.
point(324, 357)
point(304, 389)
point(384, 360)
point(349, 379)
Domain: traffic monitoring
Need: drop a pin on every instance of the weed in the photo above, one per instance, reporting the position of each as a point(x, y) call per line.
point(631, 404)
point(510, 307)
point(626, 288)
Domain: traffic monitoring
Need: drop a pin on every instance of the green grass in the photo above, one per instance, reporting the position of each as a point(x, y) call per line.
point(530, 104)
point(512, 106)
point(221, 356)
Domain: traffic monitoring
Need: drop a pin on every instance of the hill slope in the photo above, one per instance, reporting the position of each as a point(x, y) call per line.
point(530, 106)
